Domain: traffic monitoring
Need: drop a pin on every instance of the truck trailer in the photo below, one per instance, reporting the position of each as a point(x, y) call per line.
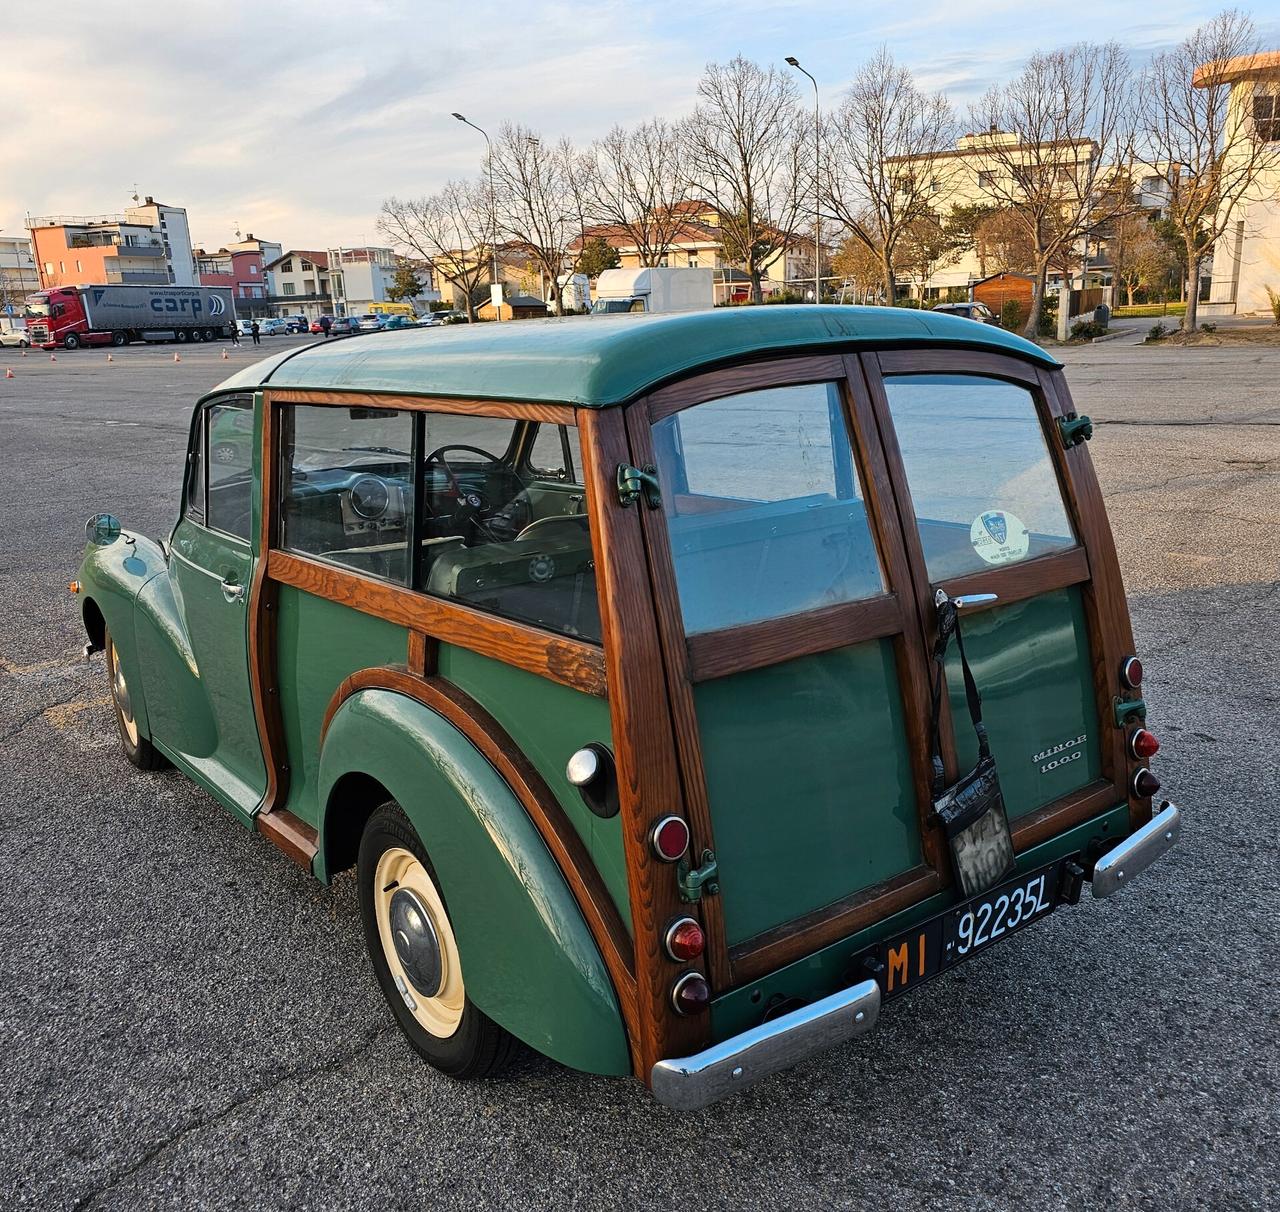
point(656, 289)
point(71, 316)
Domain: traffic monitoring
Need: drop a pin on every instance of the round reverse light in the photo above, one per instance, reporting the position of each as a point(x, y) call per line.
point(1144, 784)
point(670, 839)
point(1143, 744)
point(691, 994)
point(685, 940)
point(1131, 672)
point(583, 766)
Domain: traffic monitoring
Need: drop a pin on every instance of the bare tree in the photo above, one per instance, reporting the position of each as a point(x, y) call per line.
point(1053, 138)
point(539, 198)
point(638, 180)
point(749, 153)
point(1198, 133)
point(448, 230)
point(887, 156)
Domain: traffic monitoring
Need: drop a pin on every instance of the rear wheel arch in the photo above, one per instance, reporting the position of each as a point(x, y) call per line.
point(532, 963)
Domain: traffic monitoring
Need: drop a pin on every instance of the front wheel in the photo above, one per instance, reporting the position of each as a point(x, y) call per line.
point(71, 341)
point(137, 748)
point(415, 954)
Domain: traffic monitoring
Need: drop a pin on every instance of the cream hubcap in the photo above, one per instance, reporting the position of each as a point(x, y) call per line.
point(120, 695)
point(418, 943)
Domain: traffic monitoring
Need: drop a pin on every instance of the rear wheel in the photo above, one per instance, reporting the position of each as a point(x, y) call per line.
point(118, 339)
point(197, 335)
point(415, 954)
point(210, 335)
point(180, 336)
point(71, 341)
point(137, 748)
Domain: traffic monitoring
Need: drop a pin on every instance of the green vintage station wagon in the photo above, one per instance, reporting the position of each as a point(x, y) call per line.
point(683, 689)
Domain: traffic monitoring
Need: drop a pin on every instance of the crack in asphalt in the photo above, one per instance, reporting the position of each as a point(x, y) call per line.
point(302, 1073)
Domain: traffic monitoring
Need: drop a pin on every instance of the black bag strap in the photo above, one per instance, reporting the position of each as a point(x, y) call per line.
point(949, 623)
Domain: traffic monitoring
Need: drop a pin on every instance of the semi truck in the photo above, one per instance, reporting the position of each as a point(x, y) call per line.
point(71, 316)
point(654, 290)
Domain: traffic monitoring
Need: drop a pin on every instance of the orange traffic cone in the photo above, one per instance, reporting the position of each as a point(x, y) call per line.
point(176, 358)
point(8, 372)
point(53, 357)
point(110, 358)
point(224, 355)
point(24, 353)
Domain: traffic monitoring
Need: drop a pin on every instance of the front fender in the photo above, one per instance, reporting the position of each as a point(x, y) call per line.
point(111, 579)
point(529, 960)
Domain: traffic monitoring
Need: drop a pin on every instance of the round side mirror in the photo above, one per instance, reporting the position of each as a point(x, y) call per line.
point(103, 529)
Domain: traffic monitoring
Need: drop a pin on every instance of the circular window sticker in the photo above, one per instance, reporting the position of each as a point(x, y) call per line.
point(999, 537)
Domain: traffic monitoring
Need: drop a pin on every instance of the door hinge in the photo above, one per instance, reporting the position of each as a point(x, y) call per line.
point(1127, 709)
point(1074, 429)
point(632, 481)
point(693, 882)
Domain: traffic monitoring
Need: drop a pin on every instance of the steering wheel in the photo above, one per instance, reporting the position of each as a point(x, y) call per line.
point(471, 504)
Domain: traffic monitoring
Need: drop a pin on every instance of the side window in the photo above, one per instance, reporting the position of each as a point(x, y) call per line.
point(195, 470)
point(764, 507)
point(556, 453)
point(981, 478)
point(491, 540)
point(348, 487)
point(229, 447)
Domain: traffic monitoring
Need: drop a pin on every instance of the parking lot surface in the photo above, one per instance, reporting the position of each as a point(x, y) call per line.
point(188, 1020)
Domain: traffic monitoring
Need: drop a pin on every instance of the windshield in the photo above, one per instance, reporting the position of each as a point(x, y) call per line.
point(603, 307)
point(37, 307)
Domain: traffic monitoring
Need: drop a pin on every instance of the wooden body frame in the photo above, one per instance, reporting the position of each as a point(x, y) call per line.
point(647, 666)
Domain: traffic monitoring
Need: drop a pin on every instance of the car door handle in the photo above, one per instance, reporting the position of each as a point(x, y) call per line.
point(232, 592)
point(965, 600)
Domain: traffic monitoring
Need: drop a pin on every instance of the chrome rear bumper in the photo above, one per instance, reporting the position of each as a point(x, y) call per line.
point(1137, 852)
point(690, 1082)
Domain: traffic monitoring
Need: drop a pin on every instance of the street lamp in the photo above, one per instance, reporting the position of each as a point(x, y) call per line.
point(817, 183)
point(493, 203)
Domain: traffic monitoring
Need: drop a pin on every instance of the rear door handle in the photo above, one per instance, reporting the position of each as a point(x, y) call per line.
point(232, 592)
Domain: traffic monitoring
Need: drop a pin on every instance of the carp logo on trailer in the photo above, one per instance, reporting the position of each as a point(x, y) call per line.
point(171, 304)
point(999, 537)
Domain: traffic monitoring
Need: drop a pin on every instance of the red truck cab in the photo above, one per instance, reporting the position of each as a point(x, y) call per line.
point(52, 314)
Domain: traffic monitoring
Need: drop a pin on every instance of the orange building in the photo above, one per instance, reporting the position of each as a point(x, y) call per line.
point(75, 250)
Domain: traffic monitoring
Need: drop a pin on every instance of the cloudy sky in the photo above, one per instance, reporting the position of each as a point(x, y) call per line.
point(293, 119)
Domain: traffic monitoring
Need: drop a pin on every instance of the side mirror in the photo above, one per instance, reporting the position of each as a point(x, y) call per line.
point(102, 529)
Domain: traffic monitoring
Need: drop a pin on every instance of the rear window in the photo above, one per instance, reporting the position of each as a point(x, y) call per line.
point(982, 481)
point(765, 510)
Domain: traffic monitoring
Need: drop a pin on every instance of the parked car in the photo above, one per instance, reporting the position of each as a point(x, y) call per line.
point(344, 325)
point(970, 311)
point(615, 684)
point(371, 322)
point(297, 324)
point(245, 328)
point(273, 326)
point(14, 333)
point(393, 322)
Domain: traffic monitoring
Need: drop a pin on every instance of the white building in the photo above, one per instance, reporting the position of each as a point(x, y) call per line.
point(175, 235)
point(1246, 258)
point(360, 276)
point(18, 275)
point(299, 284)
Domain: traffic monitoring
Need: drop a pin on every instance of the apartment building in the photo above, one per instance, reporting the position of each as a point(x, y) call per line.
point(300, 284)
point(361, 276)
point(1247, 256)
point(18, 276)
point(148, 245)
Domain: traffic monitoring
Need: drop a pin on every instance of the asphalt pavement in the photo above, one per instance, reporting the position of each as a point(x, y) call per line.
point(187, 1020)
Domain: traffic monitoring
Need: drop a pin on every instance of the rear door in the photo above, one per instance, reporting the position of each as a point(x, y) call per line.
point(810, 509)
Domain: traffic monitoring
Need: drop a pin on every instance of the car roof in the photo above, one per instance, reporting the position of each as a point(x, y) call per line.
point(602, 360)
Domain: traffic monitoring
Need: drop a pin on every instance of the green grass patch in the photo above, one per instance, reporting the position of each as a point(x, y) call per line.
point(1140, 310)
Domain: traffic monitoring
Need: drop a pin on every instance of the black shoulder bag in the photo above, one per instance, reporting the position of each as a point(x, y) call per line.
point(971, 809)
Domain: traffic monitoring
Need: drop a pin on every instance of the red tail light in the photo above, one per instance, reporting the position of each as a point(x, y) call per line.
point(1145, 784)
point(1143, 744)
point(1131, 672)
point(669, 839)
point(685, 940)
point(692, 994)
